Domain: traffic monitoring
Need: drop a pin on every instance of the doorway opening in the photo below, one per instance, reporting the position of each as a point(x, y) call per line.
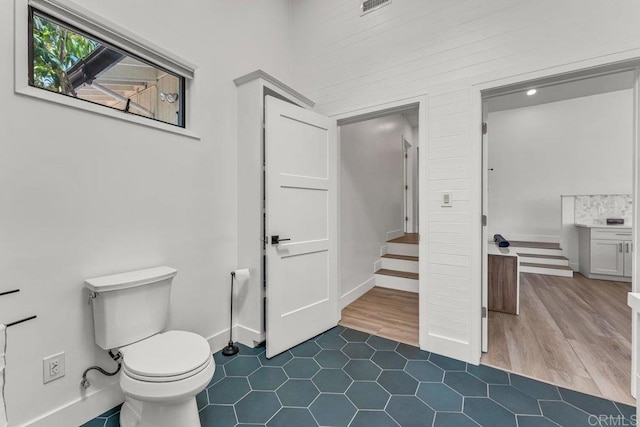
point(557, 169)
point(379, 200)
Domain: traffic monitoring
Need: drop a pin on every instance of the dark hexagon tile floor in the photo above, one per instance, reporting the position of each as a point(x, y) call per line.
point(347, 378)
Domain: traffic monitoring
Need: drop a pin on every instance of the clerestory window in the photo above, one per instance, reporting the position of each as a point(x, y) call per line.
point(72, 63)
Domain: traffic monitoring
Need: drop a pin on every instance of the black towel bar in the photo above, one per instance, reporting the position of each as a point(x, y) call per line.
point(9, 292)
point(21, 321)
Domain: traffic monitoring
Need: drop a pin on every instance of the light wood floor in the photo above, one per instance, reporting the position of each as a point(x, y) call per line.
point(410, 238)
point(385, 312)
point(573, 332)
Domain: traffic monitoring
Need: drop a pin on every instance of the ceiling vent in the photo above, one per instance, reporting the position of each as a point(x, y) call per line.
point(371, 5)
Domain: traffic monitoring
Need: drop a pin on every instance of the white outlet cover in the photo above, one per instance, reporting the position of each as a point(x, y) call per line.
point(47, 375)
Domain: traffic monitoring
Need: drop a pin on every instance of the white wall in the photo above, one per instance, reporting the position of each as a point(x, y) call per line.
point(371, 194)
point(344, 62)
point(538, 153)
point(83, 195)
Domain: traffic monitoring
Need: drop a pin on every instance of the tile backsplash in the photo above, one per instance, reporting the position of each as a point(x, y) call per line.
point(597, 208)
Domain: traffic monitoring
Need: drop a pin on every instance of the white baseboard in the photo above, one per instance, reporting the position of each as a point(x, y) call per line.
point(86, 408)
point(383, 250)
point(81, 410)
point(357, 292)
point(377, 265)
point(394, 234)
point(248, 336)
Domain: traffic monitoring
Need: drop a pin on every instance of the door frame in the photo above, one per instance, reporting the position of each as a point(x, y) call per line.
point(610, 63)
point(370, 111)
point(406, 145)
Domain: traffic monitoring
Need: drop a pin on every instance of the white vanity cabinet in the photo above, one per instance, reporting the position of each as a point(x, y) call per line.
point(606, 252)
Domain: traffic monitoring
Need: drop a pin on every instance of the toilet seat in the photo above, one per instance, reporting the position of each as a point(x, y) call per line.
point(166, 357)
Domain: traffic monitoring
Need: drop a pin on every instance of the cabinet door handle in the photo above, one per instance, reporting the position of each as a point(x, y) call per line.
point(619, 247)
point(626, 247)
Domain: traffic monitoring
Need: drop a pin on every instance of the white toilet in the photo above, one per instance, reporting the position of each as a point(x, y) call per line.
point(162, 372)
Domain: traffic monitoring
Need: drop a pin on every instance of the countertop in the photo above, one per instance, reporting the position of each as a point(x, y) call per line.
point(624, 226)
point(493, 249)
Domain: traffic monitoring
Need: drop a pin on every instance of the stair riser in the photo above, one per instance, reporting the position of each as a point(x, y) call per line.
point(400, 265)
point(538, 251)
point(402, 249)
point(546, 271)
point(399, 283)
point(549, 261)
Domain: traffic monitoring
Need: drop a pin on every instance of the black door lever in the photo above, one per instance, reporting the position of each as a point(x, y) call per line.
point(276, 239)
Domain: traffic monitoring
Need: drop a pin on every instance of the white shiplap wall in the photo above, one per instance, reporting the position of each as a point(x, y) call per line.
point(443, 47)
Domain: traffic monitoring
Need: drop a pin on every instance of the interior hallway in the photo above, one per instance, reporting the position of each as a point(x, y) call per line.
point(387, 313)
point(572, 332)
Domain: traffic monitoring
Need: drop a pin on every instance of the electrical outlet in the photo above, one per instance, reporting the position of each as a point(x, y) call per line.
point(53, 367)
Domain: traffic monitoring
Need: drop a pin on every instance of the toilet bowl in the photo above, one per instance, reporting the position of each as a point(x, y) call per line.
point(160, 378)
point(162, 371)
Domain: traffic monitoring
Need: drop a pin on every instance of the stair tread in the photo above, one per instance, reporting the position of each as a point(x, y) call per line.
point(397, 273)
point(408, 238)
point(555, 267)
point(544, 256)
point(403, 257)
point(537, 245)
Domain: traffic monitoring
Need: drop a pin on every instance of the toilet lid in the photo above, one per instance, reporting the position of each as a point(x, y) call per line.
point(169, 354)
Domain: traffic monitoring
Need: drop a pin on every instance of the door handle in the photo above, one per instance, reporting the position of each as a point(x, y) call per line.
point(619, 246)
point(626, 247)
point(275, 239)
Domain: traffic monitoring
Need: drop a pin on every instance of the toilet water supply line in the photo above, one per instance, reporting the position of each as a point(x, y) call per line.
point(117, 357)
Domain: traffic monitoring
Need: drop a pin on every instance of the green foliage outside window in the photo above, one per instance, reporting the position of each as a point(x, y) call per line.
point(55, 50)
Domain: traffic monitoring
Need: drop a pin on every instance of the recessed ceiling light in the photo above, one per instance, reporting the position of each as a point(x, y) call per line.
point(531, 92)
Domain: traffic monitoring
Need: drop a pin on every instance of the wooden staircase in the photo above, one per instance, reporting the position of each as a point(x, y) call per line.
point(399, 266)
point(542, 258)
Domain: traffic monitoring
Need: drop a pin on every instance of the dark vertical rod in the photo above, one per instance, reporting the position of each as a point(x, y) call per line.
point(233, 275)
point(231, 349)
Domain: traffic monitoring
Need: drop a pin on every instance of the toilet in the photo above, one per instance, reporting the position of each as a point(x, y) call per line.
point(162, 371)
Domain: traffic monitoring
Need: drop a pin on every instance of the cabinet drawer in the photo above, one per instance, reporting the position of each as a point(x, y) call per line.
point(610, 234)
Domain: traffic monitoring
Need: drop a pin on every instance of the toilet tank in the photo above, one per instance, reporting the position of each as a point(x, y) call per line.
point(129, 307)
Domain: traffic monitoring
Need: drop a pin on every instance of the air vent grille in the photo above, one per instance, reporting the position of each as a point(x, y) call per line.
point(371, 5)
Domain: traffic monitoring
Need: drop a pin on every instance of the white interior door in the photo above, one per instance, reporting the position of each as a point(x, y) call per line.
point(485, 229)
point(301, 205)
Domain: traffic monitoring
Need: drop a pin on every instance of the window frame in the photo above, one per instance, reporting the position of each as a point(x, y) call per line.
point(77, 19)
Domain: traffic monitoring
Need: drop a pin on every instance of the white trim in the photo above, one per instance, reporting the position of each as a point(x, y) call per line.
point(259, 74)
point(102, 110)
point(621, 59)
point(95, 25)
point(377, 265)
point(94, 403)
point(383, 250)
point(394, 234)
point(21, 80)
point(82, 409)
point(357, 292)
point(636, 236)
point(247, 336)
